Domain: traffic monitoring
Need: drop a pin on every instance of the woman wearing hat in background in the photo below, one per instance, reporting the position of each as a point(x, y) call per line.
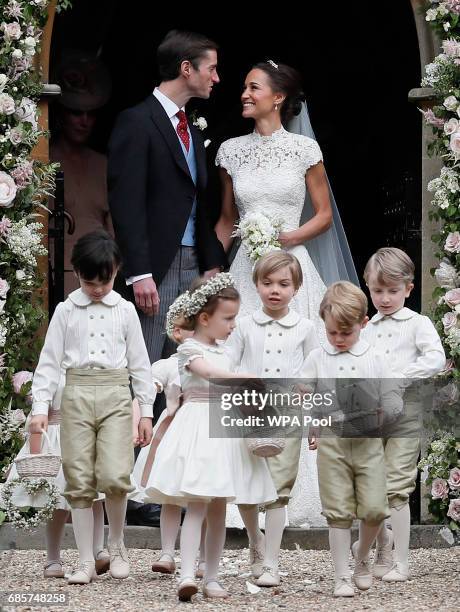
point(86, 87)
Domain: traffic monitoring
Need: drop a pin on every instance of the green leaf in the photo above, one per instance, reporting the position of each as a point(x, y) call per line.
point(2, 517)
point(453, 525)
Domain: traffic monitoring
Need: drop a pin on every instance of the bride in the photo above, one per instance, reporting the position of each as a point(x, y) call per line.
point(272, 171)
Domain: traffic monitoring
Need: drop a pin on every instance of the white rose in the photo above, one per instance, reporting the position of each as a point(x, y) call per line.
point(451, 103)
point(7, 190)
point(452, 244)
point(449, 321)
point(457, 309)
point(6, 104)
point(3, 81)
point(20, 275)
point(201, 123)
point(17, 54)
point(446, 275)
point(26, 111)
point(455, 143)
point(451, 126)
point(12, 30)
point(2, 305)
point(29, 44)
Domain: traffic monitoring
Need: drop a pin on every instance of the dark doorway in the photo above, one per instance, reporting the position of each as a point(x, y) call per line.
point(357, 72)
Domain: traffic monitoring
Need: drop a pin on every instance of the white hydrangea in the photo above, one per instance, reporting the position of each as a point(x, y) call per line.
point(446, 275)
point(24, 239)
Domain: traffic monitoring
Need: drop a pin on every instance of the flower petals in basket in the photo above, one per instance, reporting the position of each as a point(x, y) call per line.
point(37, 465)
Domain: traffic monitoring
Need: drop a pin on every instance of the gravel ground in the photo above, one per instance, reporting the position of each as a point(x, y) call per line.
point(306, 584)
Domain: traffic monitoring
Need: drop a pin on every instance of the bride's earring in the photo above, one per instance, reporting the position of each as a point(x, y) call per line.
point(276, 107)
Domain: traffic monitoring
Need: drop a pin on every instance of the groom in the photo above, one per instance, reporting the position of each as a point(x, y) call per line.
point(157, 180)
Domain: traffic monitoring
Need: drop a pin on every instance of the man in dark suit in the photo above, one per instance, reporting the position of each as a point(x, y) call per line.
point(157, 181)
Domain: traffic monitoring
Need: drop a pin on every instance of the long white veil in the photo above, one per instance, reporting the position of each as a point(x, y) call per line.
point(329, 251)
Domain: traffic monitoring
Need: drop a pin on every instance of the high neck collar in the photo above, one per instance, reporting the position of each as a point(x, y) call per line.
point(273, 136)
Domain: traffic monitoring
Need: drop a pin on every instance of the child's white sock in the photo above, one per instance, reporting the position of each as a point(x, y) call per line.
point(339, 544)
point(190, 537)
point(98, 533)
point(367, 535)
point(169, 528)
point(83, 528)
point(215, 538)
point(275, 519)
point(116, 513)
point(400, 522)
point(250, 518)
point(53, 534)
point(383, 536)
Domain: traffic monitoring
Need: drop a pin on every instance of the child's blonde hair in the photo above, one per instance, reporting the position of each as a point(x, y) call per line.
point(345, 303)
point(274, 261)
point(390, 265)
point(178, 322)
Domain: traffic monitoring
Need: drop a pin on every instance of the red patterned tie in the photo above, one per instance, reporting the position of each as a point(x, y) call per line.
point(182, 129)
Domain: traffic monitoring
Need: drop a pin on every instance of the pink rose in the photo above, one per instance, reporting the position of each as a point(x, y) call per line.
point(454, 478)
point(23, 174)
point(451, 48)
point(454, 509)
point(449, 320)
point(4, 288)
point(439, 489)
point(452, 244)
point(20, 379)
point(18, 416)
point(15, 136)
point(455, 143)
point(454, 6)
point(8, 190)
point(451, 126)
point(5, 226)
point(12, 30)
point(452, 297)
point(7, 106)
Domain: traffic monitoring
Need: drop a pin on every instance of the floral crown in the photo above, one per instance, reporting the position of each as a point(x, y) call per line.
point(200, 296)
point(176, 309)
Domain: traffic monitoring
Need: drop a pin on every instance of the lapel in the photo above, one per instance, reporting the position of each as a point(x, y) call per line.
point(200, 155)
point(163, 123)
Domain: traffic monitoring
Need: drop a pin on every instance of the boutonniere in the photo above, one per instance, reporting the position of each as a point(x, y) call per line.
point(200, 123)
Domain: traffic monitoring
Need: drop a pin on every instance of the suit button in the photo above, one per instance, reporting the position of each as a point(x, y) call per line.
point(267, 351)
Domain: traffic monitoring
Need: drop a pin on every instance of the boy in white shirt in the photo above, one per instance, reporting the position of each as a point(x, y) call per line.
point(273, 342)
point(95, 339)
point(351, 471)
point(416, 352)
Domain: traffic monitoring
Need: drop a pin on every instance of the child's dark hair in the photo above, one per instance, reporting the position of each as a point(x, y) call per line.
point(228, 293)
point(96, 255)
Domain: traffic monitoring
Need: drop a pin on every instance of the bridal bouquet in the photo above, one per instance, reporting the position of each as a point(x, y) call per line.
point(259, 234)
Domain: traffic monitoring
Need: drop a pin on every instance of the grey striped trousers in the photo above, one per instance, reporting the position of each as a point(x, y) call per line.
point(183, 270)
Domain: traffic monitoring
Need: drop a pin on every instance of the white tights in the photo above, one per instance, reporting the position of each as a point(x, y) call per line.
point(400, 524)
point(55, 530)
point(214, 512)
point(275, 519)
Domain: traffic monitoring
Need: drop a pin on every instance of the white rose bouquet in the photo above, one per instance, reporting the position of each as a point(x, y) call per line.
point(259, 234)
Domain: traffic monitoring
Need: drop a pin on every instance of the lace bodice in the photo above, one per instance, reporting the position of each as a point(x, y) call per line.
point(268, 172)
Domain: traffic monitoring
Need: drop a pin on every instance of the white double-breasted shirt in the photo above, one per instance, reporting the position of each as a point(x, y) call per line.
point(92, 335)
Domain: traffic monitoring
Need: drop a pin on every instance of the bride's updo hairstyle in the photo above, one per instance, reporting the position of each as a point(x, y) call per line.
point(285, 80)
point(205, 295)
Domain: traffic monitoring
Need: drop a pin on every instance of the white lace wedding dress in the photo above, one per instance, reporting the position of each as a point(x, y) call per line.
point(268, 174)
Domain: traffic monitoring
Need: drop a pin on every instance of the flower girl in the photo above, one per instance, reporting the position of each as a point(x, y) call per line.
point(191, 467)
point(165, 375)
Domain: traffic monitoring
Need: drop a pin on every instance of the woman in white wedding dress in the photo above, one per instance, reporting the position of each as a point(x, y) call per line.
point(270, 171)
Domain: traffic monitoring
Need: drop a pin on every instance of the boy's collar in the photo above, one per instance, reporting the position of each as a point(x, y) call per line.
point(403, 314)
point(289, 320)
point(358, 348)
point(79, 298)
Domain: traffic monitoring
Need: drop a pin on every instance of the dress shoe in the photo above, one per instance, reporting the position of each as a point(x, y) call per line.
point(269, 578)
point(102, 562)
point(164, 565)
point(212, 589)
point(362, 576)
point(186, 589)
point(383, 559)
point(119, 562)
point(256, 558)
point(84, 574)
point(343, 587)
point(53, 569)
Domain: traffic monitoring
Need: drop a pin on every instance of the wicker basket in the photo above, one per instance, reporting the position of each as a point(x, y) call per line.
point(266, 447)
point(39, 464)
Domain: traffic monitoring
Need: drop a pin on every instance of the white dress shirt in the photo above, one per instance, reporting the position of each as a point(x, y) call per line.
point(273, 348)
point(378, 387)
point(95, 335)
point(410, 340)
point(171, 110)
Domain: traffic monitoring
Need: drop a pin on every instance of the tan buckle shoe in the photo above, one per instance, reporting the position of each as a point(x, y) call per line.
point(53, 569)
point(362, 576)
point(84, 574)
point(343, 587)
point(102, 562)
point(398, 573)
point(256, 558)
point(119, 562)
point(383, 560)
point(269, 578)
point(164, 565)
point(213, 589)
point(187, 589)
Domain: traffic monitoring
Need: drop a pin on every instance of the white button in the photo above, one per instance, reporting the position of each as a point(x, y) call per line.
point(353, 368)
point(92, 334)
point(91, 353)
point(280, 333)
point(278, 370)
point(379, 335)
point(389, 335)
point(279, 350)
point(266, 369)
point(269, 335)
point(102, 316)
point(103, 351)
point(267, 351)
point(91, 316)
point(341, 368)
point(102, 334)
